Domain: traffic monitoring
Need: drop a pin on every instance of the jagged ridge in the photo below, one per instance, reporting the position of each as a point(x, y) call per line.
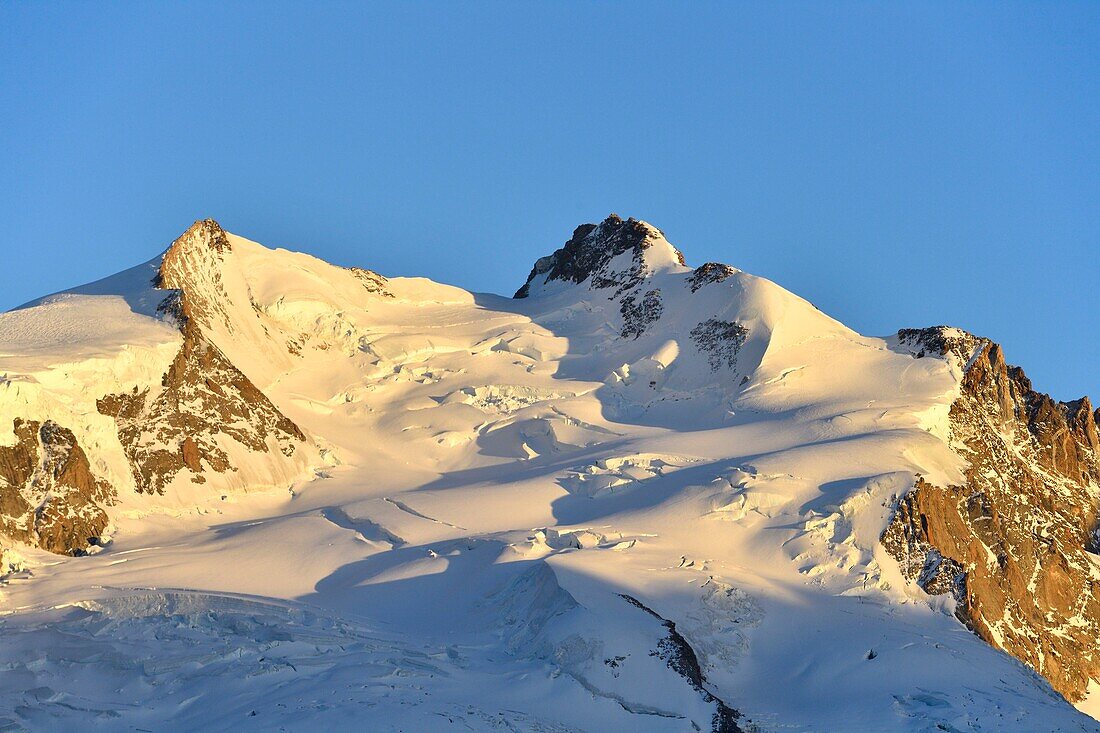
point(1011, 543)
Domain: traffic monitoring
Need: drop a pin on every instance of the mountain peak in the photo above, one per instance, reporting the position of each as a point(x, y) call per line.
point(193, 265)
point(206, 233)
point(205, 240)
point(593, 253)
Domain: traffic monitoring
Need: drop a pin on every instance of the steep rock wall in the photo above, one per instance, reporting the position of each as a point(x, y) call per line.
point(1014, 543)
point(49, 496)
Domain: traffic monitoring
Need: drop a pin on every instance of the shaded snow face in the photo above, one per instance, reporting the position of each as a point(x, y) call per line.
point(642, 497)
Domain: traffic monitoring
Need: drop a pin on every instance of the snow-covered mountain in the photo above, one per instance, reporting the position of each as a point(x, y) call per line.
point(244, 489)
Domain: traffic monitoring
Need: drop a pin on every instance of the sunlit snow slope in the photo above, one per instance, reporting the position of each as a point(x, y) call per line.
point(640, 496)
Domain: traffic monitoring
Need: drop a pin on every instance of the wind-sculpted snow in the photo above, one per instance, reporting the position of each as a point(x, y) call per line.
point(621, 473)
point(590, 508)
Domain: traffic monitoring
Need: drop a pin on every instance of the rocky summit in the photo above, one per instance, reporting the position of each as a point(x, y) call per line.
point(242, 488)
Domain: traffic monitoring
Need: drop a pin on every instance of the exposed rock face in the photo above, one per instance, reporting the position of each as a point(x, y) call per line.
point(721, 341)
point(709, 272)
point(202, 417)
point(203, 400)
point(1013, 543)
point(908, 539)
point(940, 341)
point(639, 313)
point(591, 253)
point(49, 496)
point(372, 281)
point(681, 659)
point(195, 258)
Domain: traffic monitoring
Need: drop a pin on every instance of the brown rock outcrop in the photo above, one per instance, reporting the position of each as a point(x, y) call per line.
point(640, 313)
point(177, 426)
point(372, 281)
point(194, 260)
point(49, 496)
point(1012, 543)
point(721, 341)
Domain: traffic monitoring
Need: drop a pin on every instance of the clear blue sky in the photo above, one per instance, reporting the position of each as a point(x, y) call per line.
point(898, 166)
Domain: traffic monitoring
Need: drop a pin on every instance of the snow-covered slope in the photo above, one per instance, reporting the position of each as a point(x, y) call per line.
point(638, 496)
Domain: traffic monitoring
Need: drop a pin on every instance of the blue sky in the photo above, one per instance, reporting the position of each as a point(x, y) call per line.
point(900, 165)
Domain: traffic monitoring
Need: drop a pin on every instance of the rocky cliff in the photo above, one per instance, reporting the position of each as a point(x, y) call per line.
point(1013, 544)
point(49, 496)
point(183, 423)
